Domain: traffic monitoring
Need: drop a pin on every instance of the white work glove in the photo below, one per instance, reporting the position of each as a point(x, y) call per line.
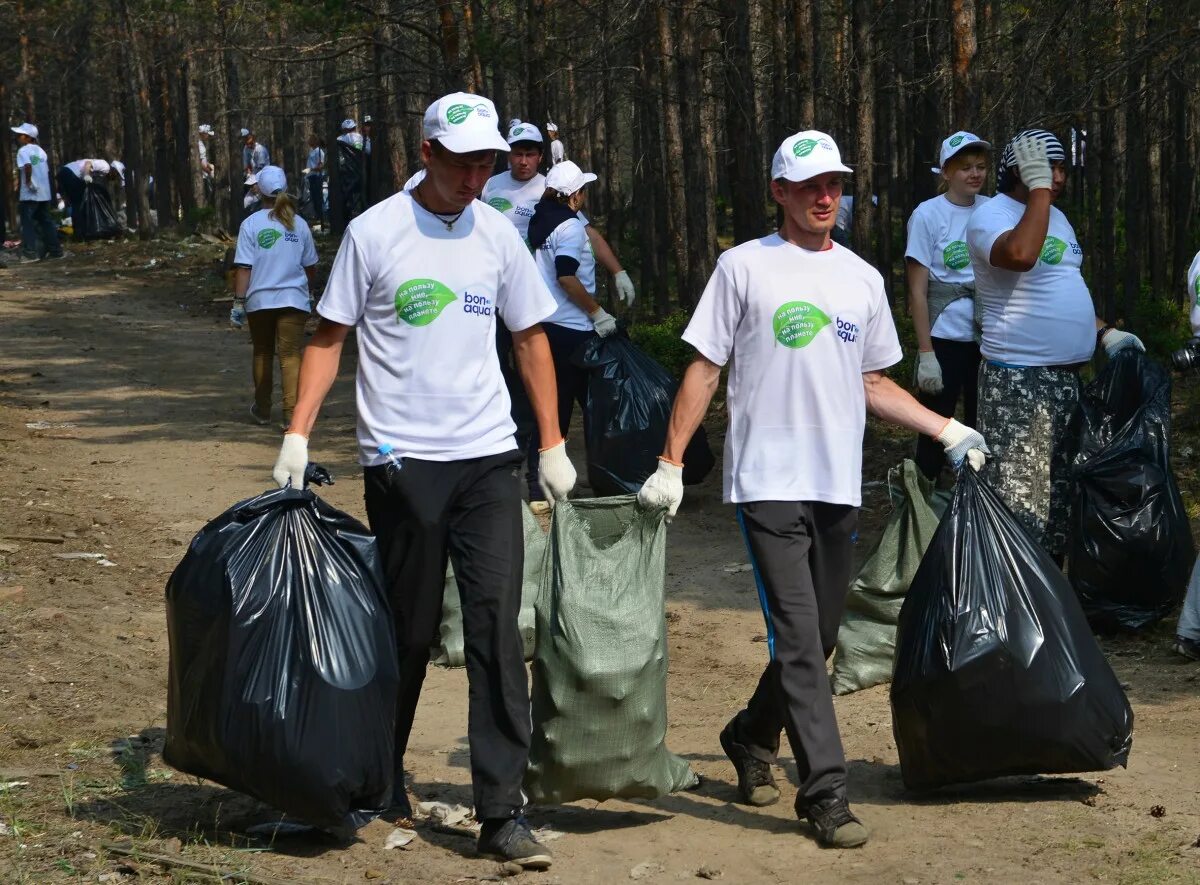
point(88, 179)
point(292, 461)
point(33, 188)
point(929, 372)
point(556, 473)
point(625, 291)
point(664, 488)
point(1032, 161)
point(305, 171)
point(1114, 341)
point(604, 322)
point(961, 442)
point(237, 316)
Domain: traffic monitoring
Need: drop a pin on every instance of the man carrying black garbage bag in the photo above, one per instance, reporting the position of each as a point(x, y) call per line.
point(807, 325)
point(423, 276)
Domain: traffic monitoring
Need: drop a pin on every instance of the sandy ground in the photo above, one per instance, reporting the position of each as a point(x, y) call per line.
point(124, 427)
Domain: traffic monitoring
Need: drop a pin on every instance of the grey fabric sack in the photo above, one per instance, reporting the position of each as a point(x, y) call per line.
point(600, 671)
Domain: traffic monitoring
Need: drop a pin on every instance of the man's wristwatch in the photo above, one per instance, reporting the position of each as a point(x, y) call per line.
point(1101, 332)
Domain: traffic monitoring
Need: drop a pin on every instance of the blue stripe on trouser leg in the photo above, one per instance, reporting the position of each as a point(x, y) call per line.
point(758, 582)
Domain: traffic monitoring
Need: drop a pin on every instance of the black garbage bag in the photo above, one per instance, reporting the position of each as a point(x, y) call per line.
point(94, 216)
point(283, 671)
point(629, 403)
point(996, 670)
point(1130, 550)
point(351, 173)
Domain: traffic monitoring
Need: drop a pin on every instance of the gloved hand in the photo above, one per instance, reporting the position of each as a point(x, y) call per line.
point(237, 316)
point(929, 372)
point(1032, 162)
point(961, 442)
point(556, 473)
point(33, 188)
point(604, 322)
point(88, 179)
point(292, 461)
point(664, 488)
point(1114, 341)
point(624, 286)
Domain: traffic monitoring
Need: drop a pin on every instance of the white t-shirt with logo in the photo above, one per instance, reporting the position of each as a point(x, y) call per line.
point(1193, 284)
point(1044, 316)
point(99, 167)
point(277, 258)
point(937, 233)
point(801, 328)
point(569, 240)
point(33, 155)
point(354, 139)
point(425, 300)
point(515, 199)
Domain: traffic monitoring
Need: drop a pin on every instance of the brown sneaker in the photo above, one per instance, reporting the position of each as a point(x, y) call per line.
point(835, 825)
point(756, 783)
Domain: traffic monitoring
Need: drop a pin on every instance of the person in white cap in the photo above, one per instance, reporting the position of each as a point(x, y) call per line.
point(314, 176)
point(808, 327)
point(255, 156)
point(350, 135)
point(350, 169)
point(368, 127)
point(207, 171)
point(424, 276)
point(251, 199)
point(1039, 329)
point(39, 237)
point(275, 260)
point(941, 289)
point(558, 151)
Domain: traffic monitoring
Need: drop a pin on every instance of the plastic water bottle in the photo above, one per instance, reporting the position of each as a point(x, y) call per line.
point(394, 461)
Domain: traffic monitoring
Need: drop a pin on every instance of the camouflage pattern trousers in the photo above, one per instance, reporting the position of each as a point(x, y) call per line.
point(1023, 415)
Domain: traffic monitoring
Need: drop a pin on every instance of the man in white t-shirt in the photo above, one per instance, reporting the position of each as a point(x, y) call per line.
point(1193, 290)
point(807, 326)
point(424, 276)
point(207, 170)
point(351, 167)
point(558, 151)
point(39, 237)
point(255, 156)
point(1039, 329)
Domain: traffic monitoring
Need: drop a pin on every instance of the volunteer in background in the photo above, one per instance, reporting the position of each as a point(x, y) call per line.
point(423, 276)
point(39, 237)
point(351, 168)
point(1193, 295)
point(558, 151)
point(941, 289)
point(73, 179)
point(1187, 632)
point(251, 201)
point(255, 156)
point(276, 261)
point(314, 176)
point(207, 170)
point(1039, 329)
point(807, 365)
point(368, 127)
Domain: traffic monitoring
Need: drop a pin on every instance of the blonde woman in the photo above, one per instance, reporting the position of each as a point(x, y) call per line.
point(941, 290)
point(276, 260)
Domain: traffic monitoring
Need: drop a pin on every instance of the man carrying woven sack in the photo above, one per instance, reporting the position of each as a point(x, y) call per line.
point(811, 332)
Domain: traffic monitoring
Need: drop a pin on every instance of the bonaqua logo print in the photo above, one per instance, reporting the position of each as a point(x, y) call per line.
point(1053, 250)
point(956, 140)
point(268, 237)
point(459, 112)
point(419, 302)
point(796, 323)
point(804, 147)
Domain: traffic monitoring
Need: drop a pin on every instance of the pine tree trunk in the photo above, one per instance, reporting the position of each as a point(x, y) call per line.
point(864, 130)
point(962, 23)
point(747, 183)
point(673, 147)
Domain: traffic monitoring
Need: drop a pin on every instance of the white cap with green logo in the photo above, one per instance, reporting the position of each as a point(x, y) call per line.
point(524, 132)
point(463, 123)
point(806, 155)
point(959, 141)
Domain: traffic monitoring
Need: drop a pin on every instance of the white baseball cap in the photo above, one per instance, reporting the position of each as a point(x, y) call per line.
point(251, 179)
point(959, 141)
point(524, 132)
point(206, 129)
point(271, 180)
point(463, 123)
point(366, 118)
point(244, 132)
point(806, 155)
point(120, 167)
point(550, 127)
point(348, 124)
point(25, 129)
point(567, 178)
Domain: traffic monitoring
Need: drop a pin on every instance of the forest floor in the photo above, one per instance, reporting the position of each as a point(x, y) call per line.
point(124, 428)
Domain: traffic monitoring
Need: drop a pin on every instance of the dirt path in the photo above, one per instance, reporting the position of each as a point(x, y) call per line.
point(123, 428)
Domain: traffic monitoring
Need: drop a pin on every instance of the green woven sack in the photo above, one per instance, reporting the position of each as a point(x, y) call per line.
point(600, 671)
point(448, 651)
point(867, 637)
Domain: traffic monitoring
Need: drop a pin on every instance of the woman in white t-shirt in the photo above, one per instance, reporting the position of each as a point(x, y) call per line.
point(314, 174)
point(564, 258)
point(276, 260)
point(941, 290)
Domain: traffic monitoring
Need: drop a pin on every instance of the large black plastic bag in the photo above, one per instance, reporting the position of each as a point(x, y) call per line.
point(1130, 549)
point(95, 218)
point(997, 672)
point(629, 405)
point(283, 672)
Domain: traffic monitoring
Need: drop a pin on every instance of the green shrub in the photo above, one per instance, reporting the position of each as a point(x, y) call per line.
point(661, 341)
point(1161, 323)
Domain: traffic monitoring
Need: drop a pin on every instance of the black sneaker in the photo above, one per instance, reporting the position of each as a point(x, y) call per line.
point(756, 783)
point(1189, 648)
point(400, 806)
point(835, 825)
point(509, 839)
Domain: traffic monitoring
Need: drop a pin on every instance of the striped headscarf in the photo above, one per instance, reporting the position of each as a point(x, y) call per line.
point(1008, 161)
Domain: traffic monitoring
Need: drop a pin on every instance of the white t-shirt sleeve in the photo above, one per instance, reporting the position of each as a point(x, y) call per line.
point(983, 230)
point(349, 282)
point(715, 322)
point(309, 256)
point(23, 153)
point(920, 239)
point(245, 244)
point(1193, 284)
point(522, 299)
point(569, 240)
point(881, 345)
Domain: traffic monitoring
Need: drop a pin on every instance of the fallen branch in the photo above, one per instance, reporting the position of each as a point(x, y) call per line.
point(174, 860)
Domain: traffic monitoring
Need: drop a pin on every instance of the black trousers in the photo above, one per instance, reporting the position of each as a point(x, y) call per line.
point(960, 375)
point(572, 388)
point(469, 511)
point(801, 552)
point(522, 409)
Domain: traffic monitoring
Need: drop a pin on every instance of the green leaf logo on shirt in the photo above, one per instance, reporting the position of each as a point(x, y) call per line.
point(499, 204)
point(35, 160)
point(1053, 250)
point(804, 147)
point(956, 141)
point(420, 302)
point(1197, 287)
point(955, 256)
point(459, 112)
point(797, 323)
point(268, 237)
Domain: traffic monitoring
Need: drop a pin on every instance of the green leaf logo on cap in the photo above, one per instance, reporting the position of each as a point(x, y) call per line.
point(518, 131)
point(796, 324)
point(459, 112)
point(268, 237)
point(957, 140)
point(1053, 250)
point(804, 147)
point(499, 204)
point(955, 256)
point(420, 302)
